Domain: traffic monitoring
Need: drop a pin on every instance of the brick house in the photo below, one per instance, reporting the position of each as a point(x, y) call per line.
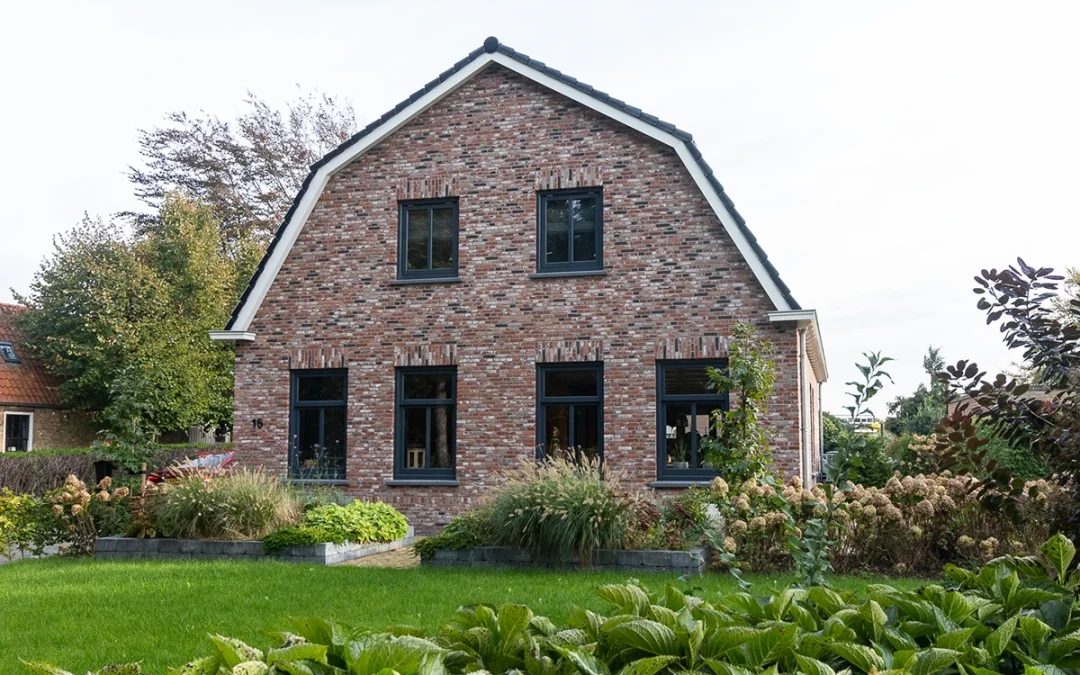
point(507, 262)
point(31, 416)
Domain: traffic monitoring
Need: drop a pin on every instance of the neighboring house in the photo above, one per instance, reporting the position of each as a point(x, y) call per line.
point(865, 423)
point(31, 417)
point(508, 262)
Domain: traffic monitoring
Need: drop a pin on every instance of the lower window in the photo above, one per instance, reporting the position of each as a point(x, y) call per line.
point(317, 425)
point(685, 404)
point(18, 432)
point(425, 421)
point(570, 410)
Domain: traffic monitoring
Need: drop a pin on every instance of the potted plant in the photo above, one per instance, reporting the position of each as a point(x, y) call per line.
point(679, 453)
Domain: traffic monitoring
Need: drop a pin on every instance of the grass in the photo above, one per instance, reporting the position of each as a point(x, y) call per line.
point(84, 614)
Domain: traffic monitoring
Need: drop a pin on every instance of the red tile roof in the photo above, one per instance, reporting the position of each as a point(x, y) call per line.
point(24, 382)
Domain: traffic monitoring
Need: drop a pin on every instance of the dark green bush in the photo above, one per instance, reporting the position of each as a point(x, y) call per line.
point(299, 536)
point(1015, 616)
point(472, 528)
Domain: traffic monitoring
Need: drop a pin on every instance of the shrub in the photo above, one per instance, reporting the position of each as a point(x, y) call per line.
point(241, 505)
point(555, 509)
point(472, 528)
point(928, 455)
point(358, 522)
point(675, 523)
point(912, 525)
point(39, 471)
point(1012, 617)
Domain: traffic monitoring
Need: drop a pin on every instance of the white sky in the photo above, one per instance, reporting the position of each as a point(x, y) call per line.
point(881, 152)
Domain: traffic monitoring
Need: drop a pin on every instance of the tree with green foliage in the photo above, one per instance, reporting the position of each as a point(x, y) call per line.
point(740, 449)
point(124, 320)
point(861, 456)
point(920, 412)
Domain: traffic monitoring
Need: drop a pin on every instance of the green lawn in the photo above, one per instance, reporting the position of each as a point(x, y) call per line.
point(83, 614)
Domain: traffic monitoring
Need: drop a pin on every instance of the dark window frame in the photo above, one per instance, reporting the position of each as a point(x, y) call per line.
point(542, 199)
point(28, 440)
point(10, 349)
point(542, 401)
point(404, 206)
point(401, 404)
point(712, 401)
point(295, 472)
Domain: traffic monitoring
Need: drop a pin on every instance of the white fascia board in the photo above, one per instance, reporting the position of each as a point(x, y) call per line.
point(807, 318)
point(231, 336)
point(292, 230)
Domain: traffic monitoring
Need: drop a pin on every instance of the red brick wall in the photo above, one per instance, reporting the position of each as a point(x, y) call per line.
point(56, 428)
point(676, 285)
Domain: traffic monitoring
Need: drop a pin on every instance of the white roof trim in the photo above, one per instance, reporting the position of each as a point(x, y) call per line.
point(292, 229)
point(807, 318)
point(231, 336)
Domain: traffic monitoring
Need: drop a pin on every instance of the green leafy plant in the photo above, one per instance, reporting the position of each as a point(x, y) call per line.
point(740, 449)
point(1014, 616)
point(861, 453)
point(358, 522)
point(472, 528)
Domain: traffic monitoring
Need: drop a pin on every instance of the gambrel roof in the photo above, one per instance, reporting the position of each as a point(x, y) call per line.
point(492, 52)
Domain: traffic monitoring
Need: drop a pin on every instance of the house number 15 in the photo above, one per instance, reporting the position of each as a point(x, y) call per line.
point(256, 423)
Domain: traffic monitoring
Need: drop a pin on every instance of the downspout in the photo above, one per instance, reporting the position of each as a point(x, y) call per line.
point(804, 413)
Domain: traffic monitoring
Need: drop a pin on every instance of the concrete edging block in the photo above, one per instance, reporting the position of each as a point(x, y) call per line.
point(694, 561)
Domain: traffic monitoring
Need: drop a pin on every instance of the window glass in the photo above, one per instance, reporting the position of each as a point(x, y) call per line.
point(429, 386)
point(418, 230)
point(570, 231)
point(571, 382)
point(442, 238)
point(584, 211)
point(425, 432)
point(684, 381)
point(557, 239)
point(7, 353)
point(321, 388)
point(16, 433)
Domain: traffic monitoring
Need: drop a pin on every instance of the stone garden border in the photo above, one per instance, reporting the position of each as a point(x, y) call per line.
point(204, 549)
point(692, 562)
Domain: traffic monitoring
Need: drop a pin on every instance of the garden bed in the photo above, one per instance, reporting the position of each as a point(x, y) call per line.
point(319, 554)
point(694, 561)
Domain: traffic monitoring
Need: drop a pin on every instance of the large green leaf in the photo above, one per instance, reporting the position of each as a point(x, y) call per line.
point(957, 639)
point(628, 599)
point(204, 666)
point(588, 621)
point(862, 657)
point(934, 660)
point(725, 668)
point(825, 598)
point(1034, 632)
point(513, 619)
point(251, 668)
point(957, 606)
point(233, 651)
point(875, 618)
point(724, 639)
point(586, 663)
point(645, 636)
point(571, 637)
point(811, 666)
point(770, 645)
point(306, 651)
point(997, 641)
point(121, 669)
point(1060, 647)
point(1060, 552)
point(648, 666)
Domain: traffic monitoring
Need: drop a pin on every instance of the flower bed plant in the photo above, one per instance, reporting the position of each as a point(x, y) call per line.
point(1012, 616)
point(559, 509)
point(358, 522)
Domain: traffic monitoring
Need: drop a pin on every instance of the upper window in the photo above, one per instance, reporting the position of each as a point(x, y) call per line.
point(7, 353)
point(428, 239)
point(570, 233)
point(317, 425)
point(424, 434)
point(570, 410)
point(685, 404)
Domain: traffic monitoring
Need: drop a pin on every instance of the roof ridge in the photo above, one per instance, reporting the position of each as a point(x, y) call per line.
point(490, 46)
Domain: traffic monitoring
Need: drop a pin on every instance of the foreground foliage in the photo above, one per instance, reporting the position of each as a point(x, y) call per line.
point(1014, 615)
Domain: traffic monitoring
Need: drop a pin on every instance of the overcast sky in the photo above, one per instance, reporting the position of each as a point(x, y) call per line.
point(881, 152)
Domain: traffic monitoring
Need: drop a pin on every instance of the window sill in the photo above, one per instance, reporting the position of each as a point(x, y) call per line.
point(574, 273)
point(433, 280)
point(419, 482)
point(317, 481)
point(678, 484)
